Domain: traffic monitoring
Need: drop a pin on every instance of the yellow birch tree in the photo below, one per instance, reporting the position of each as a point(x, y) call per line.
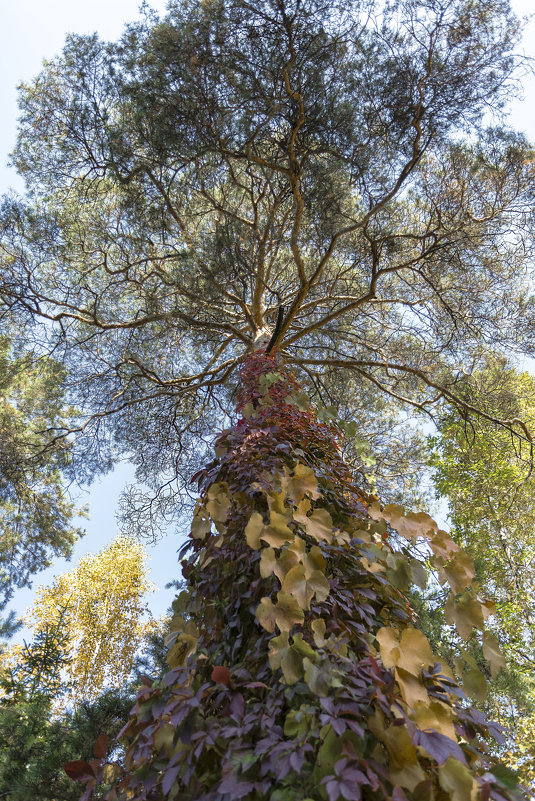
point(105, 615)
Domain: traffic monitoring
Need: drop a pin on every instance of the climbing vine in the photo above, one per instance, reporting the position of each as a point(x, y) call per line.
point(296, 668)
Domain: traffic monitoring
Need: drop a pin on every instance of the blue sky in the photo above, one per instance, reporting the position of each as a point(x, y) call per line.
point(33, 30)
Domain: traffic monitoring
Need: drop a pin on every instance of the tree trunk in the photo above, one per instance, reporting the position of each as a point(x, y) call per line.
point(296, 670)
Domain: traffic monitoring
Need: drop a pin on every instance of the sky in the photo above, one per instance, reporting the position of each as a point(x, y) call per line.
point(34, 30)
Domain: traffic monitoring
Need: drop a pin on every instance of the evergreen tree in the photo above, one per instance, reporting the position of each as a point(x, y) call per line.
point(233, 157)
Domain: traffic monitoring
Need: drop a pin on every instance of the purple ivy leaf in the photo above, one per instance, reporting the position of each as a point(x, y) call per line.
point(438, 746)
point(237, 706)
point(234, 787)
point(351, 792)
point(169, 779)
point(332, 790)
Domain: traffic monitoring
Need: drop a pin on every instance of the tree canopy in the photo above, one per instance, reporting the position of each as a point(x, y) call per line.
point(233, 157)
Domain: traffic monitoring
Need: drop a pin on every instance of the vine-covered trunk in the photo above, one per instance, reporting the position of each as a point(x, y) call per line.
point(296, 667)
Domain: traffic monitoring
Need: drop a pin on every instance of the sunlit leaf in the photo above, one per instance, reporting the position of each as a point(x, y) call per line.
point(302, 588)
point(268, 562)
point(456, 780)
point(277, 533)
point(184, 647)
point(285, 614)
point(465, 613)
point(253, 529)
point(434, 716)
point(302, 483)
point(318, 525)
point(412, 689)
point(492, 653)
point(460, 571)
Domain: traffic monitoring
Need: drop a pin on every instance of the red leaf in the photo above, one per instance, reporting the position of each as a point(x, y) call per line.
point(79, 770)
point(100, 748)
point(221, 674)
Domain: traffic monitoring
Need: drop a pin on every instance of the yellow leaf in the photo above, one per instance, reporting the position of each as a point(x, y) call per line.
point(303, 482)
point(411, 688)
point(456, 780)
point(296, 584)
point(285, 614)
point(434, 716)
point(289, 657)
point(389, 646)
point(492, 653)
point(253, 529)
point(442, 545)
point(302, 588)
point(287, 559)
point(298, 547)
point(466, 613)
point(314, 560)
point(218, 504)
point(266, 613)
point(318, 629)
point(412, 524)
point(415, 651)
point(268, 562)
point(319, 525)
point(276, 503)
point(184, 647)
point(292, 665)
point(317, 677)
point(277, 533)
point(163, 738)
point(474, 683)
point(277, 646)
point(459, 571)
point(302, 647)
point(400, 748)
point(408, 776)
point(288, 612)
point(200, 526)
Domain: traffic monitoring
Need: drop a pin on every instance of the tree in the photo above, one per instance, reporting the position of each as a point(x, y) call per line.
point(327, 166)
point(489, 490)
point(36, 744)
point(38, 734)
point(96, 619)
point(299, 671)
point(35, 510)
point(235, 157)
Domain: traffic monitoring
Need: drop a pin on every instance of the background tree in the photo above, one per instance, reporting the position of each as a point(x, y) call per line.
point(46, 715)
point(88, 627)
point(35, 509)
point(489, 489)
point(232, 157)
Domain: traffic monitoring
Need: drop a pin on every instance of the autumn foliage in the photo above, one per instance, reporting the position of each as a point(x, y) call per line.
point(296, 667)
